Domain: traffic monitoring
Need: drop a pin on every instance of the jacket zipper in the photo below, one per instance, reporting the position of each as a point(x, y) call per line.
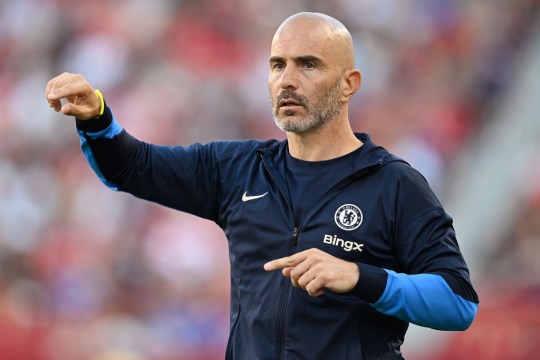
point(283, 304)
point(286, 285)
point(295, 236)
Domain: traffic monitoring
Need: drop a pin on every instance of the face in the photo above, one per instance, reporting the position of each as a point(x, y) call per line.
point(304, 81)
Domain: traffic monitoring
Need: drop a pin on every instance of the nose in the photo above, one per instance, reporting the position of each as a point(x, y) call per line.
point(289, 78)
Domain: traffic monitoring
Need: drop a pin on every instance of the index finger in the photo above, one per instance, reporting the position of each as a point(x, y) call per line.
point(53, 81)
point(284, 262)
point(53, 103)
point(69, 89)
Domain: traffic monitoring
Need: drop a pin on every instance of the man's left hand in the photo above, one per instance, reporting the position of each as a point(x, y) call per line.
point(314, 270)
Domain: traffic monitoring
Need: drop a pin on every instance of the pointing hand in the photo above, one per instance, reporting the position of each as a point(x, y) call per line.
point(82, 100)
point(314, 270)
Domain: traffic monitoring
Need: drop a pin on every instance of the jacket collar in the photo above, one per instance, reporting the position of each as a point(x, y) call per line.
point(371, 158)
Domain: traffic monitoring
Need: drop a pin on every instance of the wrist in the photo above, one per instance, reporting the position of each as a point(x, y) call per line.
point(101, 102)
point(97, 123)
point(371, 282)
point(354, 275)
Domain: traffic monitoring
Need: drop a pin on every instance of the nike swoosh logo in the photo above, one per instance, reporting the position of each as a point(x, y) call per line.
point(245, 197)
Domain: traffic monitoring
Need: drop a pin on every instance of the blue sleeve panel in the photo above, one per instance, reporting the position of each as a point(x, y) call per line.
point(425, 300)
point(113, 129)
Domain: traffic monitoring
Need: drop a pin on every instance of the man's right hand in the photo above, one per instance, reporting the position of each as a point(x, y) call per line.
point(82, 100)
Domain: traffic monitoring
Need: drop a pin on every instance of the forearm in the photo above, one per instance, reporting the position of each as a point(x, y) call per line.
point(422, 299)
point(107, 147)
point(182, 178)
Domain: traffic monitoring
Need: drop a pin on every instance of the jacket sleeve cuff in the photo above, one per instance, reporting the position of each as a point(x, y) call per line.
point(371, 284)
point(97, 124)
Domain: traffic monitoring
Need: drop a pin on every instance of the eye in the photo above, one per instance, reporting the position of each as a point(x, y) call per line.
point(278, 66)
point(309, 65)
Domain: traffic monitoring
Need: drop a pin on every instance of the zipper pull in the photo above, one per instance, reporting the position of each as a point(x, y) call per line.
point(295, 236)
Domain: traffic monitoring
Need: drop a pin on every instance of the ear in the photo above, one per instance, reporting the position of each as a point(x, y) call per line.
point(352, 80)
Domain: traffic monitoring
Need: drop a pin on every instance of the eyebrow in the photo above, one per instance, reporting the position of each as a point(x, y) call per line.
point(310, 58)
point(276, 59)
point(301, 59)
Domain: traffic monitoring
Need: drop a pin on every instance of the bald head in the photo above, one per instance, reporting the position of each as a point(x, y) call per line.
point(319, 31)
point(312, 74)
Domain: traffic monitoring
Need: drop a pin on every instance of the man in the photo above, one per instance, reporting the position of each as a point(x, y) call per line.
point(363, 245)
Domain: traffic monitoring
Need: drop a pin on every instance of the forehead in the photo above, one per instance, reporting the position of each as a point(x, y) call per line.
point(301, 40)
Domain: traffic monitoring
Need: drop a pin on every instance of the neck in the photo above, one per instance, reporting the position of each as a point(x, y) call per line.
point(333, 140)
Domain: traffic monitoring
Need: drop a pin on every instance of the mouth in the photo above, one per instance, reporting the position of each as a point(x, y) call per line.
point(287, 103)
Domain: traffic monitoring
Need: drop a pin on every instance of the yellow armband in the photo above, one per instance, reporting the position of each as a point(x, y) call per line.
point(101, 102)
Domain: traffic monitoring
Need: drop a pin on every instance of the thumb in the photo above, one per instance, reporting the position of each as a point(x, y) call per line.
point(287, 271)
point(82, 112)
point(83, 107)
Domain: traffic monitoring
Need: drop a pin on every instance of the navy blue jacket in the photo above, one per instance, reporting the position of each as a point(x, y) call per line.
point(382, 215)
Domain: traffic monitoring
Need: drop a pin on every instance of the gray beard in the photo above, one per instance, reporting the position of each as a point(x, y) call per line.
point(321, 113)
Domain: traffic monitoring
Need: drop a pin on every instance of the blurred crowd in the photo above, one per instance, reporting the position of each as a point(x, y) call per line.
point(89, 274)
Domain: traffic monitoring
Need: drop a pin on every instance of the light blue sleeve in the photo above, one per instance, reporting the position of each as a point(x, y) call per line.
point(425, 300)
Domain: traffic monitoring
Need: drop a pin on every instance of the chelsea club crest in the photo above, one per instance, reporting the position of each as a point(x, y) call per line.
point(348, 217)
